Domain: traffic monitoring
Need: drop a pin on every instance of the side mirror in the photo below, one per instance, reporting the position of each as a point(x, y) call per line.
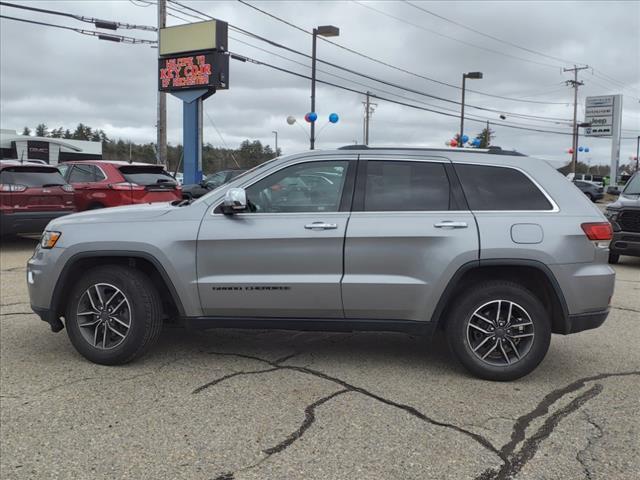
point(235, 201)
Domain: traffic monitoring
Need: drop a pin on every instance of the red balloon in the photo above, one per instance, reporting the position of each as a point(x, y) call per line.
point(570, 150)
point(454, 142)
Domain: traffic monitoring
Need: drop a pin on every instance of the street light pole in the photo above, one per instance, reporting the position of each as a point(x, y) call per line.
point(323, 31)
point(473, 76)
point(276, 134)
point(638, 154)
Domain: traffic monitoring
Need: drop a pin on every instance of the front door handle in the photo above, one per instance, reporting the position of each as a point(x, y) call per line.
point(321, 226)
point(450, 224)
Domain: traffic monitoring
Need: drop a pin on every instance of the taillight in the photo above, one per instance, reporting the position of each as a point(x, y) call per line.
point(125, 186)
point(12, 187)
point(67, 188)
point(598, 231)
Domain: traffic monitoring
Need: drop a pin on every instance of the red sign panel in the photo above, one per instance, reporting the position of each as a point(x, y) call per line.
point(208, 70)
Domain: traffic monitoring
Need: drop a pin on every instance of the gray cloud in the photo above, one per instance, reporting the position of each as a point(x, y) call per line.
point(62, 78)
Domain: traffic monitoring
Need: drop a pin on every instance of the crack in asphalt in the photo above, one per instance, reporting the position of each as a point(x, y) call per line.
point(347, 387)
point(14, 269)
point(515, 461)
point(625, 309)
point(590, 443)
point(15, 313)
point(309, 418)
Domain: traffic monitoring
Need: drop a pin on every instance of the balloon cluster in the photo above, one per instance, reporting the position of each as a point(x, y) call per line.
point(580, 149)
point(465, 139)
point(311, 117)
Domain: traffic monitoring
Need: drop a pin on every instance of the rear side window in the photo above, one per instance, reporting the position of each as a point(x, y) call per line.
point(500, 188)
point(146, 175)
point(31, 177)
point(85, 173)
point(406, 186)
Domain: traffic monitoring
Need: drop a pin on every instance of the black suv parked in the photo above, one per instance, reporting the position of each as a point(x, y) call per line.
point(197, 190)
point(591, 190)
point(624, 215)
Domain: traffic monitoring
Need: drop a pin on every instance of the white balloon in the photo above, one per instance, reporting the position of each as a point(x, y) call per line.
point(291, 119)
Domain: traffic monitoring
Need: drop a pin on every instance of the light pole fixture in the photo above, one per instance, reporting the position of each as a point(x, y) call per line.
point(323, 31)
point(472, 76)
point(276, 134)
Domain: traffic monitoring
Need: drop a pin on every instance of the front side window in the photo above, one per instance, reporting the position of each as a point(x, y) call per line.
point(406, 186)
point(306, 187)
point(500, 188)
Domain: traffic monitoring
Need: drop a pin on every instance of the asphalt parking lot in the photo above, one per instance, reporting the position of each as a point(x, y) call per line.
point(231, 404)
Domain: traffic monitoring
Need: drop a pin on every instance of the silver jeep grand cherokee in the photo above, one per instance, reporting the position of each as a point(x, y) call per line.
point(496, 248)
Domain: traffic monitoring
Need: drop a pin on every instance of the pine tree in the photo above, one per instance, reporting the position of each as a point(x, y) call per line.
point(26, 131)
point(485, 137)
point(41, 130)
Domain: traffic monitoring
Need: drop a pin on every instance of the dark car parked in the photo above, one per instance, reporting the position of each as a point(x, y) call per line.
point(196, 190)
point(624, 215)
point(594, 192)
point(31, 195)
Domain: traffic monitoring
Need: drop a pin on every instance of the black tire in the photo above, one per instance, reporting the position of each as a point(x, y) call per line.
point(614, 258)
point(590, 197)
point(144, 318)
point(96, 206)
point(532, 348)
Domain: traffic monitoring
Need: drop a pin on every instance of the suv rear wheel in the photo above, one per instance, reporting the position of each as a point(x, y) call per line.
point(500, 331)
point(113, 315)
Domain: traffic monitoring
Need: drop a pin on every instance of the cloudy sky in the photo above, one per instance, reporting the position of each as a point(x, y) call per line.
point(60, 77)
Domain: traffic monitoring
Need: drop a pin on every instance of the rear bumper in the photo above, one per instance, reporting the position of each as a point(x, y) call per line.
point(625, 243)
point(587, 321)
point(28, 222)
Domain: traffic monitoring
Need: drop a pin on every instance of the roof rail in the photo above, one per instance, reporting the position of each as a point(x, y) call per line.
point(495, 150)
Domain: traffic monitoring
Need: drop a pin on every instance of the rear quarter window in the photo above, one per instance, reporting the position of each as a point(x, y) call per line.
point(146, 175)
point(500, 188)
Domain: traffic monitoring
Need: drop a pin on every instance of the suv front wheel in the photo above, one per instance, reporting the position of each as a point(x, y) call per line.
point(113, 314)
point(499, 331)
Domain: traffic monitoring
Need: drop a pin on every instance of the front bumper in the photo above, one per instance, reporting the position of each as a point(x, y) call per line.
point(28, 222)
point(586, 321)
point(625, 243)
point(48, 316)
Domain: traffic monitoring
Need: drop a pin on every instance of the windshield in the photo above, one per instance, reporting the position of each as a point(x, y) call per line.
point(31, 176)
point(238, 178)
point(633, 186)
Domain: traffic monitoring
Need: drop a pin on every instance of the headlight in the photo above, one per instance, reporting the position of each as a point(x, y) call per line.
point(612, 214)
point(49, 239)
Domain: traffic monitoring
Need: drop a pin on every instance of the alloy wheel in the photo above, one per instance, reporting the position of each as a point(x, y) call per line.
point(104, 316)
point(500, 333)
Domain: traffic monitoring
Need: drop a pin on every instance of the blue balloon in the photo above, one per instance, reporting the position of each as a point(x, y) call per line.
point(465, 139)
point(333, 118)
point(476, 141)
point(586, 149)
point(313, 116)
point(580, 149)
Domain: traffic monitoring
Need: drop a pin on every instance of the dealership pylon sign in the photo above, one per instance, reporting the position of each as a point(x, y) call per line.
point(193, 64)
point(604, 114)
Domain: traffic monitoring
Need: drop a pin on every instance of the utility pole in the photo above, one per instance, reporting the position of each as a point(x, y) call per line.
point(575, 84)
point(369, 108)
point(161, 124)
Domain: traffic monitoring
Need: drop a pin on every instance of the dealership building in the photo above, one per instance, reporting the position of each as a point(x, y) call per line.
point(51, 150)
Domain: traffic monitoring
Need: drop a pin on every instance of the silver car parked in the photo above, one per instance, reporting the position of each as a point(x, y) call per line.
point(496, 248)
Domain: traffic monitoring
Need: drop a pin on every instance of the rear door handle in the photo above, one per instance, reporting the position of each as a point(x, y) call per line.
point(450, 224)
point(321, 226)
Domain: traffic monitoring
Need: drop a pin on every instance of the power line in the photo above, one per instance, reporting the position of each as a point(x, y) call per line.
point(222, 138)
point(394, 67)
point(106, 24)
point(91, 33)
point(369, 87)
point(440, 34)
point(507, 42)
point(244, 58)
